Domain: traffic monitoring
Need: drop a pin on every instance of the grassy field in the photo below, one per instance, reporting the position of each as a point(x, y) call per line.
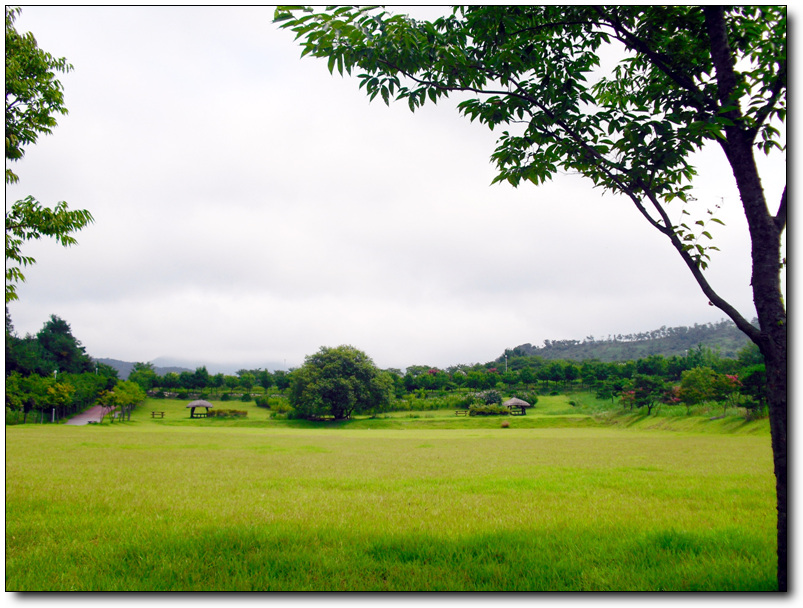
point(410, 501)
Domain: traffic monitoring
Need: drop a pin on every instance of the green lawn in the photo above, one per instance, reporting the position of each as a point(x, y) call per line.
point(186, 504)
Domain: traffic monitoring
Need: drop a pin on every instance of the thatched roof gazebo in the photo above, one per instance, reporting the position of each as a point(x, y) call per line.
point(517, 405)
point(199, 403)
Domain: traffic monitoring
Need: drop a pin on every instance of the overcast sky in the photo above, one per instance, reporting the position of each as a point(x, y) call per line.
point(250, 208)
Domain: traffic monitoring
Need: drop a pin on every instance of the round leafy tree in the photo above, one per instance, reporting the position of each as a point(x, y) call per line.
point(338, 382)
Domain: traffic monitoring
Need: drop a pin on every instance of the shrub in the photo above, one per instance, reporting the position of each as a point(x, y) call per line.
point(262, 402)
point(530, 397)
point(225, 397)
point(491, 397)
point(464, 401)
point(506, 424)
point(281, 407)
point(754, 410)
point(245, 397)
point(488, 410)
point(227, 414)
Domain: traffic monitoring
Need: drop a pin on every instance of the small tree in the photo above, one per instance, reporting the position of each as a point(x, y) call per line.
point(169, 380)
point(247, 381)
point(754, 386)
point(125, 397)
point(648, 391)
point(282, 380)
point(726, 390)
point(144, 375)
point(59, 396)
point(338, 382)
point(265, 380)
point(34, 388)
point(696, 386)
point(231, 382)
point(201, 378)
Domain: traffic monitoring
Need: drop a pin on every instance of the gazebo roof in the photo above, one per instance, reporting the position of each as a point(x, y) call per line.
point(200, 403)
point(517, 402)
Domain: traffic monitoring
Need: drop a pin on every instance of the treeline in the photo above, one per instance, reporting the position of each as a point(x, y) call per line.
point(723, 336)
point(50, 376)
point(608, 379)
point(51, 373)
point(187, 384)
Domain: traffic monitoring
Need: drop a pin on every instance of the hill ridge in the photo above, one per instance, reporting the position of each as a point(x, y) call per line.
point(722, 336)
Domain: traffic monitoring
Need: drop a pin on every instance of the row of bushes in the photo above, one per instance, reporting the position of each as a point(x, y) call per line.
point(491, 409)
point(227, 414)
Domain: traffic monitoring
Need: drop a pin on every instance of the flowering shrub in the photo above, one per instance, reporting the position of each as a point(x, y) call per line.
point(628, 398)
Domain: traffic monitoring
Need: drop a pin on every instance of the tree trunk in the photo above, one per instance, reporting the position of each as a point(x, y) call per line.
point(765, 239)
point(765, 235)
point(776, 388)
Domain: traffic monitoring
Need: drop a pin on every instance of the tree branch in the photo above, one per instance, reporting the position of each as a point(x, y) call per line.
point(780, 218)
point(775, 91)
point(632, 41)
point(722, 58)
point(713, 297)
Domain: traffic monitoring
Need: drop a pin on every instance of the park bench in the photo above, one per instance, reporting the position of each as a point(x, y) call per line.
point(157, 414)
point(461, 412)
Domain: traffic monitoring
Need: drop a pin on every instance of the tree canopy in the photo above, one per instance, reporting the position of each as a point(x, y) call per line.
point(34, 97)
point(53, 349)
point(338, 382)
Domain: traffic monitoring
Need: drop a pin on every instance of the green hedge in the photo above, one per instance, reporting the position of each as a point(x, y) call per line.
point(227, 414)
point(488, 410)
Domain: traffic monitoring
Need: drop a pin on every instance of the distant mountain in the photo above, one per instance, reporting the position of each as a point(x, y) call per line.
point(124, 368)
point(217, 368)
point(724, 337)
point(164, 365)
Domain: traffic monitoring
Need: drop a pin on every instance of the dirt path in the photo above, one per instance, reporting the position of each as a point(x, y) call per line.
point(93, 414)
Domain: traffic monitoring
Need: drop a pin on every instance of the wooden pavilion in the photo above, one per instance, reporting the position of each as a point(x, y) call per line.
point(517, 406)
point(199, 403)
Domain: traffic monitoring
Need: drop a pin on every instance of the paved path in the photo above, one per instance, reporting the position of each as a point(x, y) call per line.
point(93, 414)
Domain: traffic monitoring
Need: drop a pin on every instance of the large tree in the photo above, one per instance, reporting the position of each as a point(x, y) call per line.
point(61, 350)
point(338, 382)
point(688, 77)
point(33, 99)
